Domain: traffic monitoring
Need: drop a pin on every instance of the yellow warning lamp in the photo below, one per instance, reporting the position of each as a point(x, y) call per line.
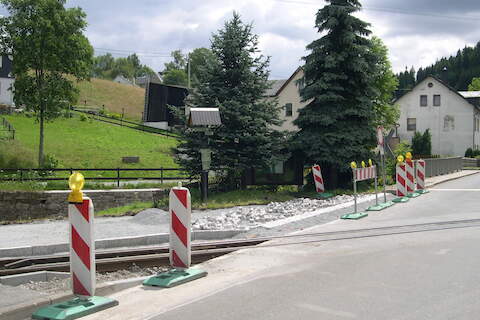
point(408, 155)
point(353, 165)
point(370, 163)
point(400, 158)
point(76, 182)
point(363, 164)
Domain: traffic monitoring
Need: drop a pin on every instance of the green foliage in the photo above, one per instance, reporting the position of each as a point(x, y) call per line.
point(422, 143)
point(234, 82)
point(107, 67)
point(45, 56)
point(469, 153)
point(336, 126)
point(176, 71)
point(386, 83)
point(175, 77)
point(474, 85)
point(83, 117)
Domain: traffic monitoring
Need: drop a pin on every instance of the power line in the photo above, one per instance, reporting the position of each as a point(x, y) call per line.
point(392, 10)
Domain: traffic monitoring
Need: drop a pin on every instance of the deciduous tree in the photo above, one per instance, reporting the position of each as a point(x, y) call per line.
point(47, 43)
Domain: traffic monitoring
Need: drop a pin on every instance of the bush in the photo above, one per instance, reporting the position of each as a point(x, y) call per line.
point(469, 153)
point(476, 153)
point(83, 117)
point(422, 143)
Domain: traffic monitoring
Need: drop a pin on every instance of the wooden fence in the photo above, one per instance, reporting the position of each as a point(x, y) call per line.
point(7, 130)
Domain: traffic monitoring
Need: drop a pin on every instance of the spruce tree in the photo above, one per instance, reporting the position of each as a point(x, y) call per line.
point(235, 82)
point(336, 125)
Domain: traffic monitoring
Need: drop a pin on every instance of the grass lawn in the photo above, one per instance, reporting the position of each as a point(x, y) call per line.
point(88, 144)
point(115, 97)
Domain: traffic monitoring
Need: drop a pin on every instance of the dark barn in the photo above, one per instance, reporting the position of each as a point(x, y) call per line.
point(158, 97)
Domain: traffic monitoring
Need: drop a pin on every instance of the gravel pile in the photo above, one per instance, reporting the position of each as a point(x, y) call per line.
point(61, 285)
point(250, 217)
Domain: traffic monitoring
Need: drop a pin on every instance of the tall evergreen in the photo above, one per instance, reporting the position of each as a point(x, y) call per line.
point(336, 125)
point(235, 82)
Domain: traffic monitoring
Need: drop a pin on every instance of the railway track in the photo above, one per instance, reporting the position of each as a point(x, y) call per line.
point(117, 259)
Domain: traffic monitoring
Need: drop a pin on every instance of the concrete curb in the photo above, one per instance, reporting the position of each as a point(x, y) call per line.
point(25, 310)
point(135, 241)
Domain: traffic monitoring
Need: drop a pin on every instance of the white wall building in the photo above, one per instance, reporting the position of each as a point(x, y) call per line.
point(453, 119)
point(6, 81)
point(288, 97)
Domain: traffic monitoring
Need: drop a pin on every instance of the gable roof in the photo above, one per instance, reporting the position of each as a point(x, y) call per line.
point(445, 85)
point(279, 85)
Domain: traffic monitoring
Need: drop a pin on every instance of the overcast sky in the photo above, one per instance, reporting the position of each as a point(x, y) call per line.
point(416, 32)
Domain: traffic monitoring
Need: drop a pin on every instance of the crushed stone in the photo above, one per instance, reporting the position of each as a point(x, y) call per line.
point(247, 217)
point(61, 285)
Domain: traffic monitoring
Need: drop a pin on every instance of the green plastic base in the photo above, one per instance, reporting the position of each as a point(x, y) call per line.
point(354, 216)
point(324, 195)
point(413, 195)
point(422, 191)
point(400, 200)
point(74, 309)
point(381, 206)
point(174, 277)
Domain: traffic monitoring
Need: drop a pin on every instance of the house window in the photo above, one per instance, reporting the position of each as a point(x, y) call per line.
point(423, 100)
point(436, 100)
point(288, 110)
point(411, 124)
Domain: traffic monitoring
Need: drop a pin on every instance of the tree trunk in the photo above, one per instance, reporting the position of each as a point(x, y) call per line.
point(40, 145)
point(333, 177)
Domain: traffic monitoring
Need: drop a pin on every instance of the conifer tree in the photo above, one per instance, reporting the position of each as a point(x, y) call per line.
point(235, 82)
point(336, 125)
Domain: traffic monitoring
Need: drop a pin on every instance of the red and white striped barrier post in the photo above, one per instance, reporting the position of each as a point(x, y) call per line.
point(317, 178)
point(82, 248)
point(82, 260)
point(180, 228)
point(401, 177)
point(180, 248)
point(420, 174)
point(410, 168)
point(319, 182)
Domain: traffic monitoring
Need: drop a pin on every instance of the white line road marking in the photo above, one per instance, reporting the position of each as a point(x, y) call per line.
point(474, 190)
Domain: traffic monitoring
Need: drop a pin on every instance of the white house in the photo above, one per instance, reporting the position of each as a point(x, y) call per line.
point(6, 81)
point(121, 79)
point(288, 97)
point(453, 117)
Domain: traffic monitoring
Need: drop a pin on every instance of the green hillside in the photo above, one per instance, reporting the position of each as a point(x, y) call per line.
point(88, 144)
point(114, 96)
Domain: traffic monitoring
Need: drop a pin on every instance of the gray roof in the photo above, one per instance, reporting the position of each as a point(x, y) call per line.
point(275, 86)
point(204, 117)
point(470, 94)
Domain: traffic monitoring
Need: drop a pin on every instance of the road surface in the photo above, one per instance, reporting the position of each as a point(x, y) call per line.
point(422, 275)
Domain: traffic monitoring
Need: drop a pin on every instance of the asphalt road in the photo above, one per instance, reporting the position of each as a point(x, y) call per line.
point(424, 275)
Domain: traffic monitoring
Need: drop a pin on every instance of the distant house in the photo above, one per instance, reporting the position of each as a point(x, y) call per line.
point(144, 80)
point(453, 117)
point(288, 97)
point(6, 81)
point(121, 79)
point(157, 99)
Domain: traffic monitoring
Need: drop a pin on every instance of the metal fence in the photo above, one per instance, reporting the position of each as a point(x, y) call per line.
point(8, 131)
point(439, 166)
point(114, 174)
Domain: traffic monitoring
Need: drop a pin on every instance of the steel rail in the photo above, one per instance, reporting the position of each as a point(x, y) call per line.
point(110, 260)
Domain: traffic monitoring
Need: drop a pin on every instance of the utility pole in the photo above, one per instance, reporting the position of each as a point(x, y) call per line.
point(188, 69)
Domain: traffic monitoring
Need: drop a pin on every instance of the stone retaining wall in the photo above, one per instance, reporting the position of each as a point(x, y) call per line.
point(51, 204)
